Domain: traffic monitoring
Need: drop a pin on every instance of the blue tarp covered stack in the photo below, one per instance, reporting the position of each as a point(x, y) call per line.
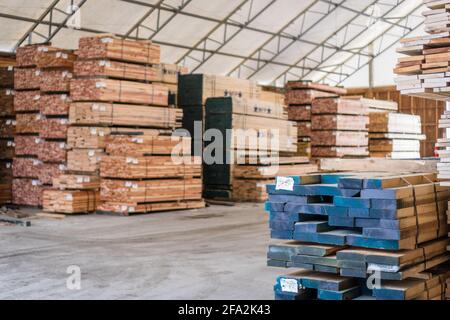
point(359, 236)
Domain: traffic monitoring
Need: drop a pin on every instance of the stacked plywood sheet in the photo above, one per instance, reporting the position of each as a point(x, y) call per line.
point(395, 135)
point(7, 119)
point(345, 229)
point(248, 129)
point(339, 128)
point(299, 99)
point(195, 89)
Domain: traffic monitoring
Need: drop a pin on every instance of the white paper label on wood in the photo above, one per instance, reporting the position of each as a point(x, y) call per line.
point(100, 85)
point(289, 285)
point(107, 40)
point(10, 68)
point(79, 179)
point(285, 183)
point(87, 179)
point(36, 183)
point(68, 197)
point(95, 107)
point(91, 153)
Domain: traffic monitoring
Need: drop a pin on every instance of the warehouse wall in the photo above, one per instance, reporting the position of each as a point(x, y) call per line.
point(429, 111)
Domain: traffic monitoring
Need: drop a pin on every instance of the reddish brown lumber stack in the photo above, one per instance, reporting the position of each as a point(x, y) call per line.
point(299, 99)
point(339, 128)
point(7, 128)
point(119, 101)
point(42, 87)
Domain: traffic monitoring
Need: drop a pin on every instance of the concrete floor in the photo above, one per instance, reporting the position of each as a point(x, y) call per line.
point(214, 253)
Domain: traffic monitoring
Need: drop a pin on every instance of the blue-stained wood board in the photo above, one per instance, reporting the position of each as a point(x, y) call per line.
point(348, 294)
point(367, 223)
point(379, 194)
point(281, 225)
point(316, 209)
point(278, 263)
point(349, 264)
point(281, 235)
point(332, 178)
point(354, 273)
point(383, 213)
point(385, 204)
point(389, 294)
point(285, 216)
point(359, 212)
point(351, 183)
point(274, 206)
point(349, 202)
point(305, 266)
point(382, 234)
point(336, 221)
point(326, 269)
point(291, 198)
point(305, 236)
point(314, 260)
point(389, 224)
point(335, 237)
point(361, 241)
point(337, 211)
point(312, 226)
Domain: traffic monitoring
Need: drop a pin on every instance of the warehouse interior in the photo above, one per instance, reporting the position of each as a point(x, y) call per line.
point(331, 117)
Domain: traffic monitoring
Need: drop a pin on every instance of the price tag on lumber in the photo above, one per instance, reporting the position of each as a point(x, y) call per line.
point(285, 183)
point(10, 68)
point(87, 179)
point(289, 285)
point(106, 40)
point(79, 179)
point(63, 97)
point(137, 140)
point(91, 153)
point(68, 197)
point(42, 49)
point(95, 107)
point(36, 183)
point(101, 133)
point(100, 85)
point(8, 165)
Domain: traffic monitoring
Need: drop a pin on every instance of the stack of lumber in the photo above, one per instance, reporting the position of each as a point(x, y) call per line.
point(423, 70)
point(344, 227)
point(299, 99)
point(339, 128)
point(7, 122)
point(195, 89)
point(41, 105)
point(121, 157)
point(395, 135)
point(27, 188)
point(143, 174)
point(247, 127)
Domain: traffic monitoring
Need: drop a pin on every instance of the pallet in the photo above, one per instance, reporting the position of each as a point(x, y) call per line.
point(134, 208)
